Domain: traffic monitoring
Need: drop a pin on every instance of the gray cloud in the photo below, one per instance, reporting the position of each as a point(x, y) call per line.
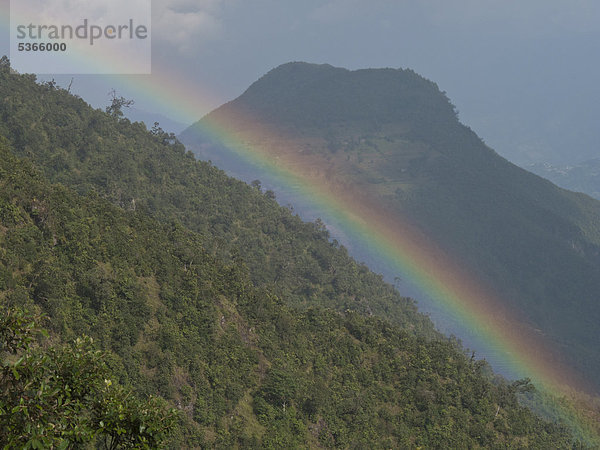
point(528, 17)
point(187, 25)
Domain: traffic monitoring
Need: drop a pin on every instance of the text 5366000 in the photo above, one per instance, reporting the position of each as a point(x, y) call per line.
point(43, 47)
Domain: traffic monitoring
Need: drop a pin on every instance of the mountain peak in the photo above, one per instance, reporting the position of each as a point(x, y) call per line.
point(305, 94)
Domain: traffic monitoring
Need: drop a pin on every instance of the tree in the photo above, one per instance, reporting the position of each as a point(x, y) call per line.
point(164, 137)
point(63, 396)
point(256, 184)
point(117, 104)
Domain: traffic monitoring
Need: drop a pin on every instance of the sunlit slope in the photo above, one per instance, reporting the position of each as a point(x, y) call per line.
point(242, 368)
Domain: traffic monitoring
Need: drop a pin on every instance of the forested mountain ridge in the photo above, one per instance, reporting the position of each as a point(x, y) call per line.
point(243, 368)
point(88, 150)
point(394, 135)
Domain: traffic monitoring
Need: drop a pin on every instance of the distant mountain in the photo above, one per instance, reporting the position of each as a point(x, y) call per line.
point(583, 177)
point(394, 135)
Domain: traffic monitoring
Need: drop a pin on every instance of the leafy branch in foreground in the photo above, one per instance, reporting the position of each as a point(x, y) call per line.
point(63, 396)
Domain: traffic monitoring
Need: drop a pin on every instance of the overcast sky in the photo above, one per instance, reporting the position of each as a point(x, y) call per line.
point(523, 73)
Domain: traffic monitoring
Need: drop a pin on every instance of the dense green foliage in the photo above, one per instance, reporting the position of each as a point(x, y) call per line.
point(244, 368)
point(64, 397)
point(181, 317)
point(393, 134)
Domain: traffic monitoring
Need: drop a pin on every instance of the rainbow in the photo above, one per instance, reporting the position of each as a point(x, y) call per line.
point(397, 243)
point(401, 247)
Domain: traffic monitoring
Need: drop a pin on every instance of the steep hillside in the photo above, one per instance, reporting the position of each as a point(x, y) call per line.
point(242, 367)
point(91, 151)
point(393, 135)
